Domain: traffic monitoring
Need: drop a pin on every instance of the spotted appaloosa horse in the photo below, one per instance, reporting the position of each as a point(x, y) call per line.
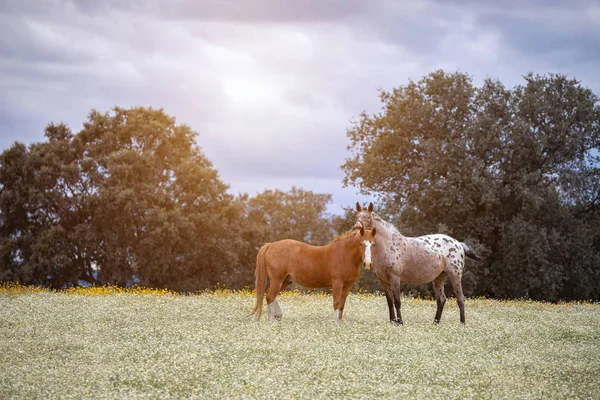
point(336, 265)
point(415, 260)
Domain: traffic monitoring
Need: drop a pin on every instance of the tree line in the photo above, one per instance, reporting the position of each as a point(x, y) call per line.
point(513, 171)
point(132, 199)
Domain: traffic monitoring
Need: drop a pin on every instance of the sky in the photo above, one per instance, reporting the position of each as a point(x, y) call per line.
point(270, 85)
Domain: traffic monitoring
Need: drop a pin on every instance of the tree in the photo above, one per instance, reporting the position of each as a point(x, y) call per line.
point(515, 171)
point(46, 236)
point(130, 198)
point(297, 214)
point(166, 216)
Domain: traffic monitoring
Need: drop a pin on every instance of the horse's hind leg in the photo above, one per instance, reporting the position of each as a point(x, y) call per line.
point(397, 304)
point(272, 303)
point(278, 313)
point(455, 280)
point(440, 296)
point(286, 282)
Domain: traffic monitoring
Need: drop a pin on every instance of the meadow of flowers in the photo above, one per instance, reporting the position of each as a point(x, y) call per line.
point(109, 342)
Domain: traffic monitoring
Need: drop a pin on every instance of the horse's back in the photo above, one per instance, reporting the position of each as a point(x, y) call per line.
point(282, 250)
point(289, 248)
point(291, 252)
point(440, 244)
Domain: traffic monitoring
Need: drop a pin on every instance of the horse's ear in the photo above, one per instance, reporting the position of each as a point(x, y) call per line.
point(358, 208)
point(362, 231)
point(374, 231)
point(370, 209)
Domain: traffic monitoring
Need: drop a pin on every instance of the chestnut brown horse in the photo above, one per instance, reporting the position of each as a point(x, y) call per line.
point(415, 260)
point(336, 266)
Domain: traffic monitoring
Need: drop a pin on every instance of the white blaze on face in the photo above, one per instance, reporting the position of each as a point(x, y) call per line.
point(367, 254)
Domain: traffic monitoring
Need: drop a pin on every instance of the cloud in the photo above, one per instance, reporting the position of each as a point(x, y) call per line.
point(269, 86)
point(563, 35)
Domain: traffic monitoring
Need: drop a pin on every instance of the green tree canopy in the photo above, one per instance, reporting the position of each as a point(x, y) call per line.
point(297, 214)
point(131, 195)
point(131, 198)
point(514, 170)
point(45, 212)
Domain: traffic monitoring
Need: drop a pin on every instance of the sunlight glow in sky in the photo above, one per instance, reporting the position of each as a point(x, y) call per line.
point(270, 86)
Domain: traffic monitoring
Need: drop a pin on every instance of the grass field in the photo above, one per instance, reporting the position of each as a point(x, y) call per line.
point(107, 344)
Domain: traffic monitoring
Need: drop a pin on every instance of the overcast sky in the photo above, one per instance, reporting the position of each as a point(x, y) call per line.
point(270, 85)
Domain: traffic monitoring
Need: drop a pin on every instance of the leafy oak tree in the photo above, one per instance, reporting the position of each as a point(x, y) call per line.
point(297, 214)
point(45, 212)
point(166, 215)
point(514, 170)
point(129, 199)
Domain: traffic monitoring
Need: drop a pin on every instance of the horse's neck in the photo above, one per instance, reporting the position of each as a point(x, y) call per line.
point(386, 231)
point(350, 244)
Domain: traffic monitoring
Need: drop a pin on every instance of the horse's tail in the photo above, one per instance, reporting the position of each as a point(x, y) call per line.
point(261, 279)
point(470, 253)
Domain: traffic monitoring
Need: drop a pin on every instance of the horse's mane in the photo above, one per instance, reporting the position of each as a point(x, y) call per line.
point(386, 225)
point(346, 234)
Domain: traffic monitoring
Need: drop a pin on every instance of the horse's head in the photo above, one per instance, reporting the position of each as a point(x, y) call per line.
point(364, 217)
point(367, 241)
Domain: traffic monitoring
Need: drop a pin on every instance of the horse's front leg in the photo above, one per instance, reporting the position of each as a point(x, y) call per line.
point(397, 304)
point(390, 302)
point(338, 304)
point(345, 291)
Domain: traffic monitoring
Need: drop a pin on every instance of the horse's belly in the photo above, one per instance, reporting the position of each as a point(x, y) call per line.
point(418, 273)
point(311, 276)
point(412, 280)
point(312, 281)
